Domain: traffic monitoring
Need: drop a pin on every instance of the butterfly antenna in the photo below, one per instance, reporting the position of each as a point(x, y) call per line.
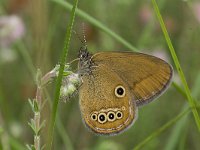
point(84, 37)
point(83, 42)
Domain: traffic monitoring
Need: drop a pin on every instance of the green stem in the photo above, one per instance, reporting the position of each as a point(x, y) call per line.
point(178, 66)
point(60, 75)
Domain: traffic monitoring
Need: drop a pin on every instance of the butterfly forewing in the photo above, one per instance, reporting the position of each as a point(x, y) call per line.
point(146, 75)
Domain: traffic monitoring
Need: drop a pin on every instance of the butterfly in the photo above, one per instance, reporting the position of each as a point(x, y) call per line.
point(115, 84)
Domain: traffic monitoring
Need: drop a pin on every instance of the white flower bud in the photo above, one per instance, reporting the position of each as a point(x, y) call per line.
point(70, 85)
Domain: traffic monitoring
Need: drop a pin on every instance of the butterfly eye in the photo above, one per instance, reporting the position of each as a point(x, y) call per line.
point(120, 91)
point(111, 116)
point(119, 115)
point(94, 117)
point(102, 118)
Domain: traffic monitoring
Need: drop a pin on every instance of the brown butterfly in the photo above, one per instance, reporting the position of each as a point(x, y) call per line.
point(114, 84)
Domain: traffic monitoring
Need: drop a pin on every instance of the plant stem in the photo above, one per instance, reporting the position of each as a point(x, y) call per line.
point(60, 75)
point(38, 100)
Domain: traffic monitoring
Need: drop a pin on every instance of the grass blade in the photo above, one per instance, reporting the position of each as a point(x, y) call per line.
point(178, 66)
point(60, 75)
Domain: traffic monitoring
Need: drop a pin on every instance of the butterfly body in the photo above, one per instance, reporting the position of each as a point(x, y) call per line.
point(114, 84)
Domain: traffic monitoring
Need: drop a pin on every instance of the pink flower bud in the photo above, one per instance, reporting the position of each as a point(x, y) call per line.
point(11, 29)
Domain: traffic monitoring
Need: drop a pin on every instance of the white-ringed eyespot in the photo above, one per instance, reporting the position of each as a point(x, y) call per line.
point(111, 116)
point(94, 116)
point(120, 91)
point(102, 118)
point(119, 115)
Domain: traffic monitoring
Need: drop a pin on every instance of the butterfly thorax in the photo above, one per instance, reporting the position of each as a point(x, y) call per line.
point(85, 62)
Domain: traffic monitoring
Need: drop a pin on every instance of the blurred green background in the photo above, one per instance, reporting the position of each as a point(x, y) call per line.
point(32, 35)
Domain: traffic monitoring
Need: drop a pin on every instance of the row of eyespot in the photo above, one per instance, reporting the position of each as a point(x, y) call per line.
point(110, 116)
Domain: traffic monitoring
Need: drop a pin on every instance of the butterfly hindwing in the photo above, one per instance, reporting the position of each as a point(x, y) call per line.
point(102, 110)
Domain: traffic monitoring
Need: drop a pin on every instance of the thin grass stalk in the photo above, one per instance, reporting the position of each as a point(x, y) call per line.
point(178, 66)
point(60, 75)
